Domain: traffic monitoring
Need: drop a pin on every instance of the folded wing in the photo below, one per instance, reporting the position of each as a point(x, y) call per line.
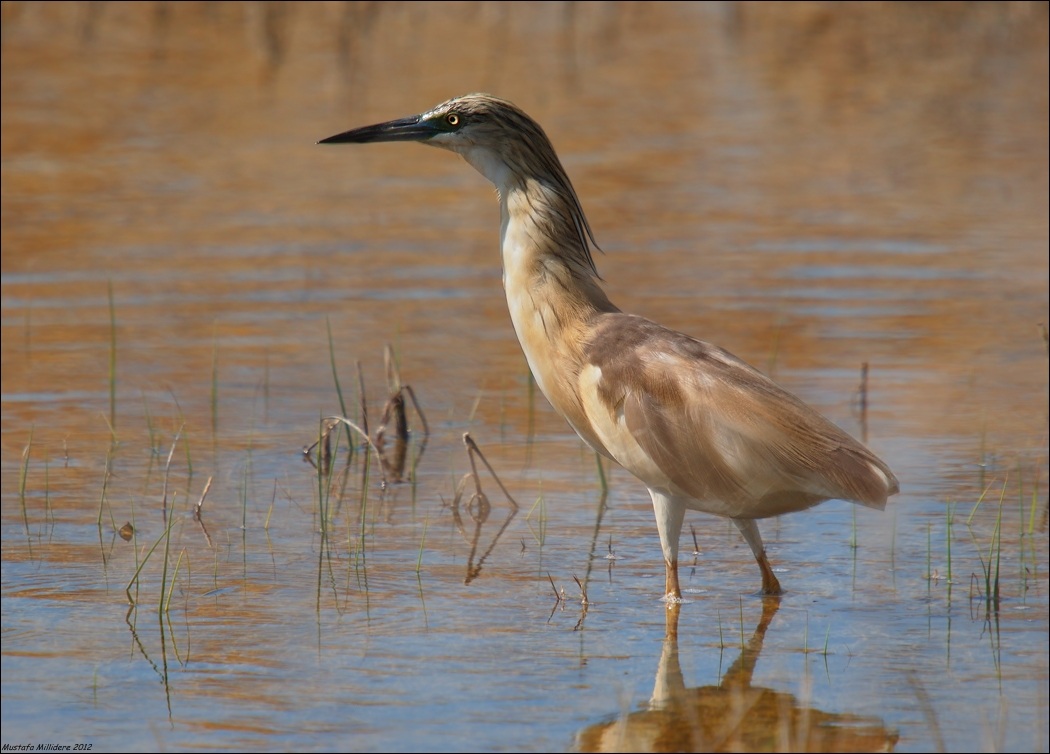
point(753, 449)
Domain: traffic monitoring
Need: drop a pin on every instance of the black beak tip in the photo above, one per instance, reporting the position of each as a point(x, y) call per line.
point(404, 129)
point(333, 139)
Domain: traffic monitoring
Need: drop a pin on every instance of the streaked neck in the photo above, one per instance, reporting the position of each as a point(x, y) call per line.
point(545, 243)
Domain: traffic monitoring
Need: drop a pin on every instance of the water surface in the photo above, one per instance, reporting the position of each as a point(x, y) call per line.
point(187, 275)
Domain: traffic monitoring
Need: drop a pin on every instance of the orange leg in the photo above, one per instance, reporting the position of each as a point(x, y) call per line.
point(749, 529)
point(672, 592)
point(669, 514)
point(770, 585)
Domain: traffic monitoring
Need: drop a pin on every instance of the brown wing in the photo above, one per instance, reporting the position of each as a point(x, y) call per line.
point(720, 430)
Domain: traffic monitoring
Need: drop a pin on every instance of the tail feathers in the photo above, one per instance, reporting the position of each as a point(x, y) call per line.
point(863, 479)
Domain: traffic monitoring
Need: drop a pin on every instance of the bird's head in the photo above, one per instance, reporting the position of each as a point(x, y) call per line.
point(495, 136)
point(510, 149)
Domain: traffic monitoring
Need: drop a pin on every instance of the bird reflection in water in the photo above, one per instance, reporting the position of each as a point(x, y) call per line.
point(732, 716)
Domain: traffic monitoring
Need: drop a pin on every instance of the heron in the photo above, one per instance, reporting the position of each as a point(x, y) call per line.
point(702, 429)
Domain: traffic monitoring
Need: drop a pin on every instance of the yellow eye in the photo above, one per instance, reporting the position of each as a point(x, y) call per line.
point(452, 119)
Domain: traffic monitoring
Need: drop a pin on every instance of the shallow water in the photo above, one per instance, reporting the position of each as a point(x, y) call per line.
point(812, 187)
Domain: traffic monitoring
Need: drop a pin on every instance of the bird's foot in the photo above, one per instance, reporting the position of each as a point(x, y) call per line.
point(770, 584)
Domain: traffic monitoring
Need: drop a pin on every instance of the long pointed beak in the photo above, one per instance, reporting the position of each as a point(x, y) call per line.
point(402, 129)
